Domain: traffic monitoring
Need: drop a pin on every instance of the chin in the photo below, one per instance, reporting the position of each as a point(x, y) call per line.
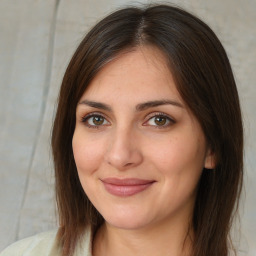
point(128, 220)
point(127, 224)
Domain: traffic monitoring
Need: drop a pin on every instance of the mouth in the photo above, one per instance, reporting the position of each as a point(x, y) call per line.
point(126, 187)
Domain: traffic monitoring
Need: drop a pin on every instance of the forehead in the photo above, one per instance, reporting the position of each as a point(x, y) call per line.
point(138, 73)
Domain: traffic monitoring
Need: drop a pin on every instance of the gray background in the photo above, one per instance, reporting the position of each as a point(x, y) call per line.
point(37, 38)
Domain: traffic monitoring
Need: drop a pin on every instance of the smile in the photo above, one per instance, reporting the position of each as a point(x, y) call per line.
point(126, 187)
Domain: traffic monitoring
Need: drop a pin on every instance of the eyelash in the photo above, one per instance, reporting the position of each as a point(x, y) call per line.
point(163, 115)
point(150, 117)
point(87, 117)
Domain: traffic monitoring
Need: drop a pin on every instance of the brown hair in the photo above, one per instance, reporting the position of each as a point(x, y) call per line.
point(205, 81)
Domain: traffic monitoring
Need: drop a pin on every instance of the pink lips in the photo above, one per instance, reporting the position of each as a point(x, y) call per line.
point(126, 187)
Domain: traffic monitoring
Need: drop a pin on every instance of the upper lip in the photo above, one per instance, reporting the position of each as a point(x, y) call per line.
point(126, 181)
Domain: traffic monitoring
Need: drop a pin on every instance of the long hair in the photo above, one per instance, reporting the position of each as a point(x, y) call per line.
point(205, 81)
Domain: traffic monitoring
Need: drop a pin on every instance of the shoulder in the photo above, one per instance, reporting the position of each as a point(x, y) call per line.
point(43, 244)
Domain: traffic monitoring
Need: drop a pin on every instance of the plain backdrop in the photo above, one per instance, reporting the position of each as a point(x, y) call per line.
point(37, 39)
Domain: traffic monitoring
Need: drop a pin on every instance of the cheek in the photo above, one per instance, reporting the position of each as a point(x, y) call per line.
point(178, 155)
point(180, 164)
point(87, 154)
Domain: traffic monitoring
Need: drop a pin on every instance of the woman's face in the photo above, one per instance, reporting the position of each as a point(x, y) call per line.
point(138, 149)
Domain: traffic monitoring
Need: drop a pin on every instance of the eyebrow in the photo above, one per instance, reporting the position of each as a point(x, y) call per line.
point(155, 103)
point(139, 107)
point(96, 105)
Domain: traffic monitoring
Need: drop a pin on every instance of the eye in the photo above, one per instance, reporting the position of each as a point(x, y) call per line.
point(95, 120)
point(159, 120)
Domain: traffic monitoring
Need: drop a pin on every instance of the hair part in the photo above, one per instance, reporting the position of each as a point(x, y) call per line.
point(205, 81)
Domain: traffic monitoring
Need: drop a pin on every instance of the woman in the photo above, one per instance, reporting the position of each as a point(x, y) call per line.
point(147, 141)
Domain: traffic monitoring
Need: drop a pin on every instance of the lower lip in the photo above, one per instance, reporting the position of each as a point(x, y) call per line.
point(125, 190)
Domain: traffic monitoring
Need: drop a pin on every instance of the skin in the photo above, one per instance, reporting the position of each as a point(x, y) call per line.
point(130, 140)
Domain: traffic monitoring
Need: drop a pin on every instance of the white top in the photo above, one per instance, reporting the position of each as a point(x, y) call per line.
point(45, 244)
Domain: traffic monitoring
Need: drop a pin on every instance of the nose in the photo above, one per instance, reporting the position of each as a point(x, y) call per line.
point(124, 151)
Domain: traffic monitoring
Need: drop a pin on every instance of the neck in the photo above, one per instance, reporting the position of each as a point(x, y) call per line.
point(163, 239)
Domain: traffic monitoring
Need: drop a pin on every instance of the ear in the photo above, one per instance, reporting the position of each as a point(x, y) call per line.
point(210, 159)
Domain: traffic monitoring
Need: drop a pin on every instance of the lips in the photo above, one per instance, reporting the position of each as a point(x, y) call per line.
point(126, 187)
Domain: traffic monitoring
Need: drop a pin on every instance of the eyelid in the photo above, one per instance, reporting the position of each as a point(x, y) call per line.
point(92, 114)
point(156, 114)
point(148, 118)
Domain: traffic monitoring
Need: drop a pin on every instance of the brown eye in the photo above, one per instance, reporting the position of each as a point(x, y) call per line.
point(160, 120)
point(95, 121)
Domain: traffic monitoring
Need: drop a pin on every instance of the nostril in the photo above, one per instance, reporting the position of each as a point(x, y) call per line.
point(128, 164)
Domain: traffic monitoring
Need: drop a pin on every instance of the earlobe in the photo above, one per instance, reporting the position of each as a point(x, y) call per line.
point(210, 160)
